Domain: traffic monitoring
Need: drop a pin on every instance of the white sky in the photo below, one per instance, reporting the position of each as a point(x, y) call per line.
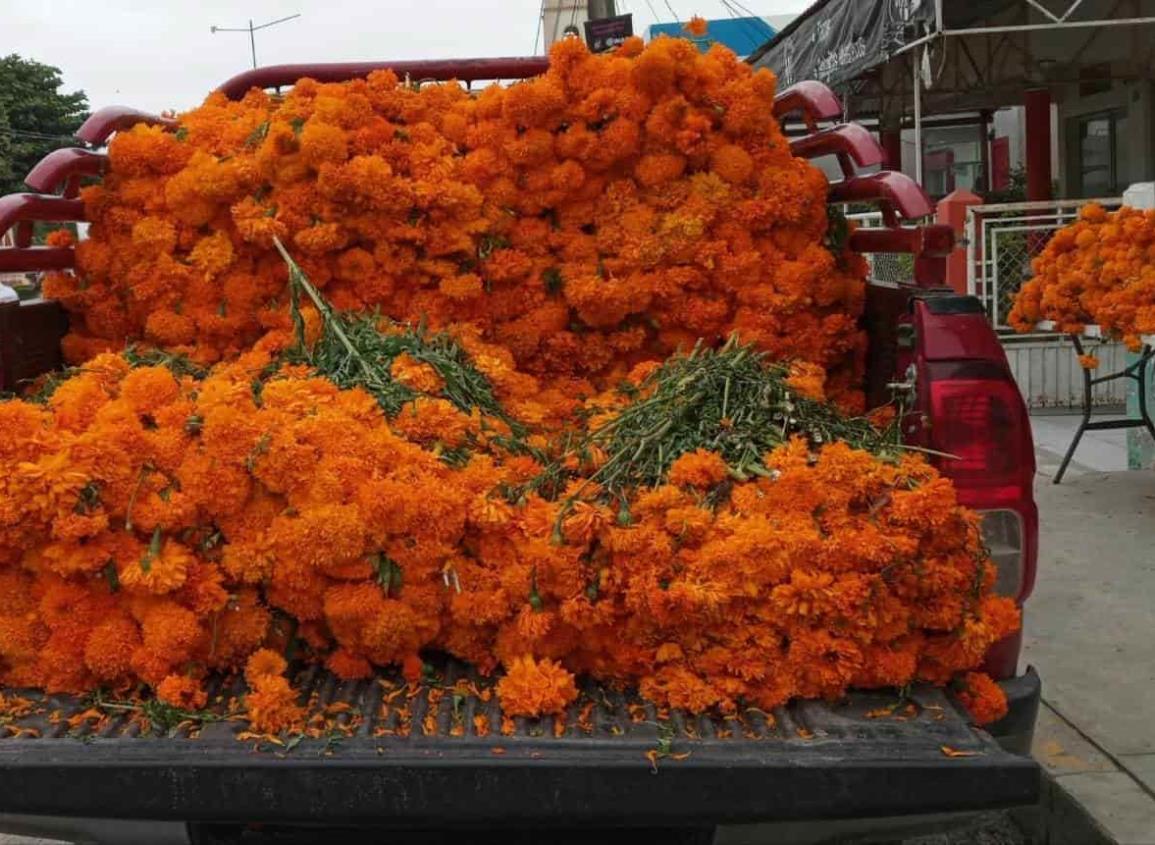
point(159, 54)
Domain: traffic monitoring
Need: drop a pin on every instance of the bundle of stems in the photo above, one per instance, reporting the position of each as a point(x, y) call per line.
point(730, 400)
point(357, 350)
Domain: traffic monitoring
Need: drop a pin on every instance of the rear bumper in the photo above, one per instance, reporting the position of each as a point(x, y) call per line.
point(809, 761)
point(1015, 731)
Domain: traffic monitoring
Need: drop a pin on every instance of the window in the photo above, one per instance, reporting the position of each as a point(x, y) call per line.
point(952, 159)
point(1101, 154)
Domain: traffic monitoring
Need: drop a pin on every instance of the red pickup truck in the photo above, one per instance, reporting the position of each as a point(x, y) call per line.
point(817, 771)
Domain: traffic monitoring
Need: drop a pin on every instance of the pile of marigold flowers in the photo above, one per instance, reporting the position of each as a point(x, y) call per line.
point(607, 212)
point(1100, 271)
point(553, 380)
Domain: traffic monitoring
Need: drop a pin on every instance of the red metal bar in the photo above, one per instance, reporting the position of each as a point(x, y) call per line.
point(63, 169)
point(101, 124)
point(35, 259)
point(25, 208)
point(894, 192)
point(892, 144)
point(931, 241)
point(814, 100)
point(465, 70)
point(848, 141)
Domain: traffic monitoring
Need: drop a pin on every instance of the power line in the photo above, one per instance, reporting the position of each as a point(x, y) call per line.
point(756, 38)
point(746, 10)
point(251, 30)
point(672, 12)
point(573, 14)
point(38, 136)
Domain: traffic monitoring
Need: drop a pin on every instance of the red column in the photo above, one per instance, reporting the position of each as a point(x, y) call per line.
point(891, 140)
point(952, 211)
point(1038, 107)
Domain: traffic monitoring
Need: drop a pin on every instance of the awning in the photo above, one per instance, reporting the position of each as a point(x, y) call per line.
point(836, 40)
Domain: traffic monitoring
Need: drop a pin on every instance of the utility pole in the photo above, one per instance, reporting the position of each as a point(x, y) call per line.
point(251, 30)
point(602, 9)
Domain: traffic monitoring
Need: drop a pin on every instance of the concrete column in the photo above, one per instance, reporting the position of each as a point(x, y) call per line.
point(1038, 115)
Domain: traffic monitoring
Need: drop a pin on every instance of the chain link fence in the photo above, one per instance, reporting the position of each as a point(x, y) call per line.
point(1003, 239)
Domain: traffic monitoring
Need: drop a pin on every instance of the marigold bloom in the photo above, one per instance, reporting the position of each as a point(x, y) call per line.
point(983, 699)
point(182, 692)
point(535, 688)
point(263, 663)
point(701, 469)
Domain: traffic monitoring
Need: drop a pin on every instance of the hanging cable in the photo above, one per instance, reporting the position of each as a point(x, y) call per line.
point(653, 12)
point(757, 39)
point(672, 12)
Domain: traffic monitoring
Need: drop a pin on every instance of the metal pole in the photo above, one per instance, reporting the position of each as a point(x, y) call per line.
point(917, 120)
point(253, 42)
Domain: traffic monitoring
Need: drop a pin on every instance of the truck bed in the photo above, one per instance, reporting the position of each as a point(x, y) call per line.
point(869, 755)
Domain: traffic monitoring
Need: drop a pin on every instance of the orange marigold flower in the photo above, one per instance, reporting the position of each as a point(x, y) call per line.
point(807, 380)
point(1089, 362)
point(535, 688)
point(696, 26)
point(418, 375)
point(60, 238)
point(272, 705)
point(348, 666)
point(182, 692)
point(983, 699)
point(263, 663)
point(701, 468)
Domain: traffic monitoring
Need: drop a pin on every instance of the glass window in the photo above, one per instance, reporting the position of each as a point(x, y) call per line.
point(1102, 154)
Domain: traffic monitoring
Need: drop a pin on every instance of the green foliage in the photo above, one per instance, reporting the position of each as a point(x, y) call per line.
point(731, 401)
point(35, 117)
point(353, 351)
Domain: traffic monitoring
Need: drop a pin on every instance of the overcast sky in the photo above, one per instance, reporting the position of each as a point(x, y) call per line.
point(159, 54)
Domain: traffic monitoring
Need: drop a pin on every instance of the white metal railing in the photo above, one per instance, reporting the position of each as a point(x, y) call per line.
point(1001, 241)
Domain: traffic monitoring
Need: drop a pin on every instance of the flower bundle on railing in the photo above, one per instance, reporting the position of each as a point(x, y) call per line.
point(1099, 271)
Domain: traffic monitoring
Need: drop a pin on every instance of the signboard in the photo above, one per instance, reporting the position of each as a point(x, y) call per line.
point(842, 38)
point(605, 34)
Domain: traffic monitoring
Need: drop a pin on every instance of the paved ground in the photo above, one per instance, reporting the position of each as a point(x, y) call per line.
point(1089, 628)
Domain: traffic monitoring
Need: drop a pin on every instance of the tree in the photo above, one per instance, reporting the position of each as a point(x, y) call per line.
point(35, 117)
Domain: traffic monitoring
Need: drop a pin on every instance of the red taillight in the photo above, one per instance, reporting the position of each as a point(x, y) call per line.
point(978, 421)
point(982, 425)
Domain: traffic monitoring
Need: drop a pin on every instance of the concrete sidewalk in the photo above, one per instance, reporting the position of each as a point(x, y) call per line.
point(1089, 630)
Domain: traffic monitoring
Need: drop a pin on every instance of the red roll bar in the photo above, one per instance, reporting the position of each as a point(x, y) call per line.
point(64, 169)
point(464, 70)
point(849, 141)
point(814, 100)
point(101, 124)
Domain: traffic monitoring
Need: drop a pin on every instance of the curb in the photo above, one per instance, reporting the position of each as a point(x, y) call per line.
point(1086, 797)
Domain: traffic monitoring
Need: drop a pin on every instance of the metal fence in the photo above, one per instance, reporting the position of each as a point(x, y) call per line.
point(1003, 239)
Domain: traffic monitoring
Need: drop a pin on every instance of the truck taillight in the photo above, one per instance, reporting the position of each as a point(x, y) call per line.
point(979, 420)
point(1004, 538)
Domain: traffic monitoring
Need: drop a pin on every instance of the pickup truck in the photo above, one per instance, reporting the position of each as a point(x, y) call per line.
point(815, 771)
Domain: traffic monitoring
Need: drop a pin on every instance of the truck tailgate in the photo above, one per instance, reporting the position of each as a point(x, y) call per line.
point(612, 760)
